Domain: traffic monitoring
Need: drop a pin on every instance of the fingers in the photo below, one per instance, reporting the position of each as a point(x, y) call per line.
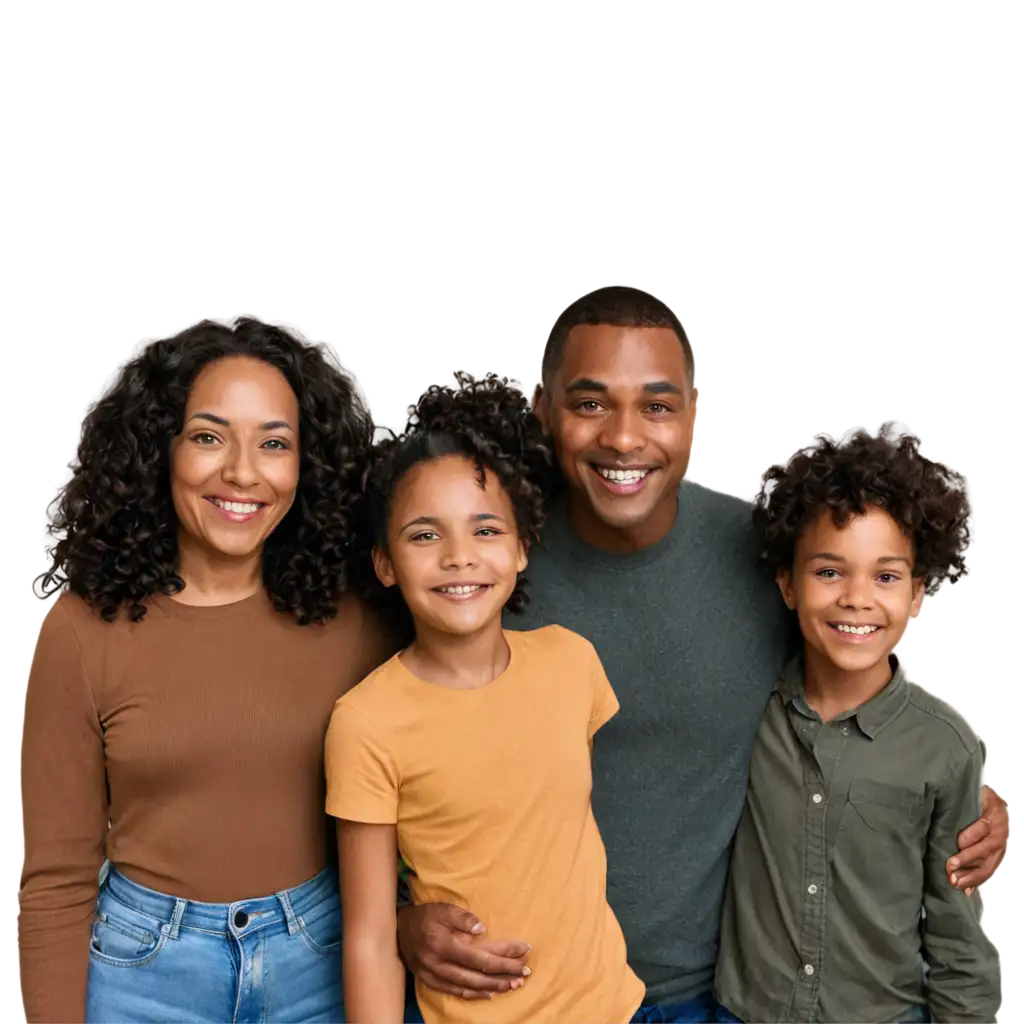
point(479, 957)
point(973, 834)
point(473, 981)
point(459, 920)
point(431, 980)
point(510, 949)
point(974, 856)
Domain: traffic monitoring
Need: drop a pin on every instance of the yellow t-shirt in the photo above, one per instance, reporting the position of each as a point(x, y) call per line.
point(490, 789)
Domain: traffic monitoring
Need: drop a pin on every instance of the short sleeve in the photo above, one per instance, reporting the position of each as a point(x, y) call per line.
point(605, 703)
point(362, 777)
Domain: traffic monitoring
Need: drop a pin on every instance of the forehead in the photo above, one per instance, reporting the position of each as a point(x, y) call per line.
point(449, 486)
point(873, 535)
point(623, 355)
point(242, 384)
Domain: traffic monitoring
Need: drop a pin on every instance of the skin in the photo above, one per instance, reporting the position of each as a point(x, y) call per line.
point(444, 530)
point(240, 443)
point(621, 423)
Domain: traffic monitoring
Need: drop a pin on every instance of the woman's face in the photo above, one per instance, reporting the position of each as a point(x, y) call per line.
point(235, 465)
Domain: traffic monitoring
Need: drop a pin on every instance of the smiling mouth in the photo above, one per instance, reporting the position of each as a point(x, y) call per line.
point(622, 481)
point(462, 591)
point(237, 511)
point(852, 630)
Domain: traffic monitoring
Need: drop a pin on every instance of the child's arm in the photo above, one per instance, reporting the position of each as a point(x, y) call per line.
point(374, 978)
point(963, 975)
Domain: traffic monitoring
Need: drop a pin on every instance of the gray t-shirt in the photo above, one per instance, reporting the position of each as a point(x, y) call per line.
point(692, 634)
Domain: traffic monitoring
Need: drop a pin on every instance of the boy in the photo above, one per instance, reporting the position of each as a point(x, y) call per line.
point(838, 907)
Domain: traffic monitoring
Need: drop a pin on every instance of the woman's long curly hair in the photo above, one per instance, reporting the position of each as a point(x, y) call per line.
point(490, 423)
point(115, 519)
point(927, 500)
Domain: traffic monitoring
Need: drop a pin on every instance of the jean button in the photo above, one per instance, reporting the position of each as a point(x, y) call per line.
point(241, 919)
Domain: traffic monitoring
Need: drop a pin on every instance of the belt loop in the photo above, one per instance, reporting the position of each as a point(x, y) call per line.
point(289, 912)
point(171, 929)
point(104, 873)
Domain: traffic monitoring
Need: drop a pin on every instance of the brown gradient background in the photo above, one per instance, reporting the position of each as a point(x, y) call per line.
point(828, 198)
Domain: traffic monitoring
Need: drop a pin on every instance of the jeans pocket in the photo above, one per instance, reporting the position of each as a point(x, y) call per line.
point(320, 927)
point(123, 936)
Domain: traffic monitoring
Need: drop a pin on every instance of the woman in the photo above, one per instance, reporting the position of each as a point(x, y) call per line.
point(182, 686)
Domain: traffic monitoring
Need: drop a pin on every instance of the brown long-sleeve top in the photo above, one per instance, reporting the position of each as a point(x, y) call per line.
point(187, 748)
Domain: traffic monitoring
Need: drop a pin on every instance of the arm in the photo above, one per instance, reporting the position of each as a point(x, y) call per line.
point(64, 802)
point(982, 845)
point(963, 975)
point(374, 978)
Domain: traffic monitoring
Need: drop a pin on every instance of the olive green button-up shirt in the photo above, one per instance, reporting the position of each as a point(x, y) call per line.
point(838, 906)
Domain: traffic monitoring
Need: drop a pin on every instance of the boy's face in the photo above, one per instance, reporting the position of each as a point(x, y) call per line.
point(453, 549)
point(852, 588)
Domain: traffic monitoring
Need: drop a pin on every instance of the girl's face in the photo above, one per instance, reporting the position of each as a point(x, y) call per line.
point(235, 465)
point(853, 588)
point(452, 546)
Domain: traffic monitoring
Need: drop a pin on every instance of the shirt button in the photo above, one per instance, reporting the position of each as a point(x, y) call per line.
point(812, 888)
point(241, 919)
point(846, 730)
point(808, 969)
point(817, 798)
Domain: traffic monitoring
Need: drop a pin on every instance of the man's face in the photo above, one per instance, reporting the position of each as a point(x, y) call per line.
point(620, 412)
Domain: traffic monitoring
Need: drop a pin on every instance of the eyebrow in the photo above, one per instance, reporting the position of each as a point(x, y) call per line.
point(220, 421)
point(832, 557)
point(657, 387)
point(435, 521)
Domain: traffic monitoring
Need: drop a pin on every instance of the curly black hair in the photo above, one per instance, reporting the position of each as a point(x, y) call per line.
point(490, 423)
point(927, 500)
point(115, 519)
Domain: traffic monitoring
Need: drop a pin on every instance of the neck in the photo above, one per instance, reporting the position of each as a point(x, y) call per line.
point(462, 662)
point(621, 540)
point(213, 578)
point(831, 690)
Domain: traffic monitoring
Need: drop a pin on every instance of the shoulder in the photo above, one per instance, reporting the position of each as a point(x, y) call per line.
point(714, 514)
point(375, 691)
point(552, 639)
point(943, 719)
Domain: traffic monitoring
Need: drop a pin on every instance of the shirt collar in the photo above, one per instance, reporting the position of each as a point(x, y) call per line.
point(871, 716)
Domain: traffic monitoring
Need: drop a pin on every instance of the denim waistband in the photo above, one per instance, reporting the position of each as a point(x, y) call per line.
point(241, 916)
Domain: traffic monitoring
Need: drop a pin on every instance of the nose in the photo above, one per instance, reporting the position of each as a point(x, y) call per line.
point(623, 432)
point(240, 468)
point(457, 553)
point(857, 592)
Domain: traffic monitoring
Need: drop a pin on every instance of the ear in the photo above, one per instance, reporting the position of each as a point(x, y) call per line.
point(542, 407)
point(383, 568)
point(784, 581)
point(915, 604)
point(523, 561)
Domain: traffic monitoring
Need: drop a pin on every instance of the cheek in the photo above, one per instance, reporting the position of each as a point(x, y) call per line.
point(283, 477)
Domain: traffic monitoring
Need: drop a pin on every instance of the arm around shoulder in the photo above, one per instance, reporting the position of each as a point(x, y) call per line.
point(963, 979)
point(64, 804)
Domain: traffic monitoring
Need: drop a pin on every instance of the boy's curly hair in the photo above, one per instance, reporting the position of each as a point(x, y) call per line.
point(926, 499)
point(490, 423)
point(116, 530)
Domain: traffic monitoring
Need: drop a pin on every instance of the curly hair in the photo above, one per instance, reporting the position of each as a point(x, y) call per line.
point(927, 500)
point(490, 423)
point(115, 518)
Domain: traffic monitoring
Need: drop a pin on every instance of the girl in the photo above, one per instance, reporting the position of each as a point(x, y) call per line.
point(182, 685)
point(469, 751)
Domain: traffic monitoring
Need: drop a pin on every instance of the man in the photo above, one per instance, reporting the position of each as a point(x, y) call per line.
point(661, 575)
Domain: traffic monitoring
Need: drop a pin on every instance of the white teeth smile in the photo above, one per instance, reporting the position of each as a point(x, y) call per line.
point(856, 630)
point(623, 476)
point(461, 590)
point(237, 506)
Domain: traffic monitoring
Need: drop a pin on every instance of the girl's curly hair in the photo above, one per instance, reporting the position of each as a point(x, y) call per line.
point(926, 499)
point(490, 423)
point(115, 519)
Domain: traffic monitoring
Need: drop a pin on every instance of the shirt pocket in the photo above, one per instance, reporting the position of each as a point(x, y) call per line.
point(886, 807)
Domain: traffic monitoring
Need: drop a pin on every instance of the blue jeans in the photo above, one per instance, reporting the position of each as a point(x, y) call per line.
point(700, 1010)
point(161, 958)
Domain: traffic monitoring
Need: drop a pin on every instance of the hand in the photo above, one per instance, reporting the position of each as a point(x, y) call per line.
point(982, 845)
point(443, 946)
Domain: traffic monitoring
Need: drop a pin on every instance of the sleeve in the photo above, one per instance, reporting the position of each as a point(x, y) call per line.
point(605, 703)
point(362, 777)
point(65, 808)
point(963, 966)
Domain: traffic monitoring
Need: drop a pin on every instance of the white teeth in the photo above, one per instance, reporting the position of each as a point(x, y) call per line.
point(623, 476)
point(857, 630)
point(237, 506)
point(461, 590)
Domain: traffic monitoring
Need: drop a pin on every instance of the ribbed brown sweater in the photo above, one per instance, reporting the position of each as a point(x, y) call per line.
point(198, 733)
